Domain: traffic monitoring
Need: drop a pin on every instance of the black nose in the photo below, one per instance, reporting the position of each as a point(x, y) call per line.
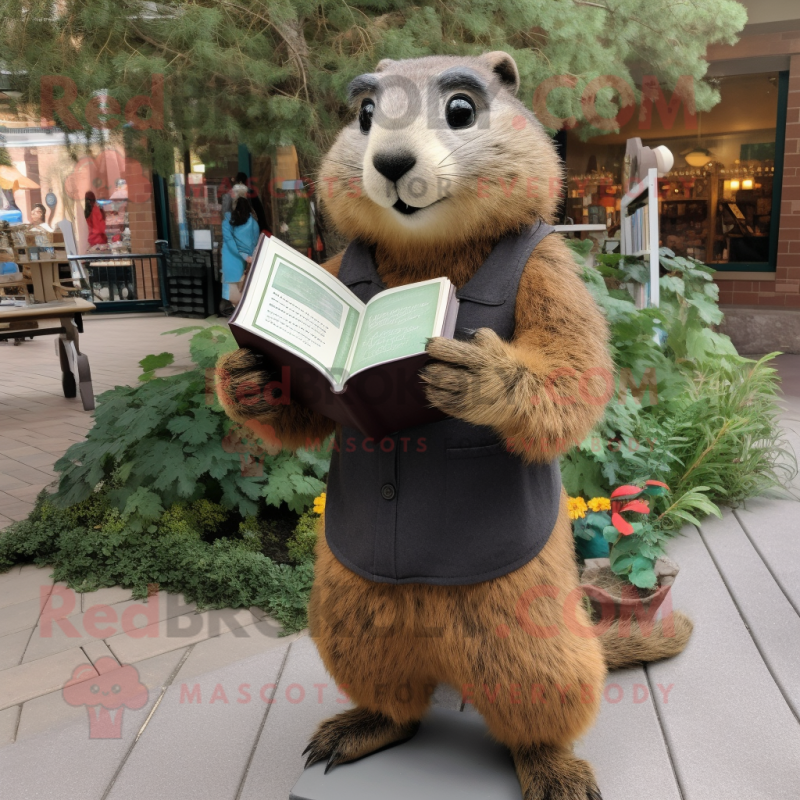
point(393, 165)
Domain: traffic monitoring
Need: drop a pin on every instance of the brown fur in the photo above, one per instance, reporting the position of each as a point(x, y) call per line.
point(542, 391)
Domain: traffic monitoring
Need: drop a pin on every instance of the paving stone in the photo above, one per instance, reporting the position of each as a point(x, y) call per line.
point(27, 493)
point(37, 459)
point(64, 762)
point(20, 616)
point(98, 651)
point(100, 621)
point(26, 681)
point(195, 749)
point(176, 632)
point(108, 596)
point(9, 718)
point(216, 653)
point(18, 512)
point(451, 756)
point(278, 762)
point(772, 526)
point(51, 711)
point(10, 482)
point(12, 647)
point(727, 726)
point(773, 623)
point(23, 585)
point(628, 724)
point(627, 714)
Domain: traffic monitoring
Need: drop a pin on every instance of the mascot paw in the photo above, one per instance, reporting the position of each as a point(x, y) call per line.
point(354, 734)
point(549, 773)
point(473, 380)
point(244, 381)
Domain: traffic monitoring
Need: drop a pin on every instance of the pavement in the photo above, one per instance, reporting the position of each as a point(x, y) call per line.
point(219, 705)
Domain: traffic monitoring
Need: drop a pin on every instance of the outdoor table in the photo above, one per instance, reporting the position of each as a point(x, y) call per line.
point(67, 313)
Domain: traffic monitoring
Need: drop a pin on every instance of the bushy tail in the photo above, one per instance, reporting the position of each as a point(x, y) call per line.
point(626, 644)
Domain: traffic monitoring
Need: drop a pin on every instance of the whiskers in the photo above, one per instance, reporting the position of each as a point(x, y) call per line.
point(456, 149)
point(357, 167)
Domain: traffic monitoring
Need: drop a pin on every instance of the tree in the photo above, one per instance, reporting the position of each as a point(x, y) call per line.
point(274, 72)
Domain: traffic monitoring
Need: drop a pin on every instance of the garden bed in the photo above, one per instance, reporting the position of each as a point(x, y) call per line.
point(167, 490)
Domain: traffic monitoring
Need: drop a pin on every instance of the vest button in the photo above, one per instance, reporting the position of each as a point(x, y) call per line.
point(387, 491)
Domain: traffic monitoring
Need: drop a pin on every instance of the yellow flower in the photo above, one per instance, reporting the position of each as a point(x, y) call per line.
point(599, 504)
point(319, 504)
point(577, 507)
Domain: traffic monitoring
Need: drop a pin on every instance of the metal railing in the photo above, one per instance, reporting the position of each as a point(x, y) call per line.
point(121, 282)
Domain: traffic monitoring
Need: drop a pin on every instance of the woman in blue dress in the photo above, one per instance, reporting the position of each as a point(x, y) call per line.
point(239, 238)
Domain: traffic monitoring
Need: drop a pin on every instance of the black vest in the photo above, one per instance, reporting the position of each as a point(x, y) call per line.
point(443, 503)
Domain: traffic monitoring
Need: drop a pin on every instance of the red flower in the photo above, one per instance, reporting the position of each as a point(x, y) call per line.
point(622, 501)
point(622, 492)
point(621, 524)
point(639, 506)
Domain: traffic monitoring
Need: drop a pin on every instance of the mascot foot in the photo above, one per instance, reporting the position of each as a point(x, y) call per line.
point(354, 734)
point(551, 773)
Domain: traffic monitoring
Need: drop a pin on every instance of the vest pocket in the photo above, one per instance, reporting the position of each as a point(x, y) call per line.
point(482, 451)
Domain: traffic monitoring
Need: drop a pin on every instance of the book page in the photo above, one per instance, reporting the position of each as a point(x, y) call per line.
point(398, 322)
point(305, 309)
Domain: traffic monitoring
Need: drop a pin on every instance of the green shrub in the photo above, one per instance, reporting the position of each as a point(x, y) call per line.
point(710, 423)
point(687, 409)
point(167, 441)
point(163, 490)
point(219, 574)
point(301, 544)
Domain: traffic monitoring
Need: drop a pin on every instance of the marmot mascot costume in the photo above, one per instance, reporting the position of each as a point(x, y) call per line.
point(452, 560)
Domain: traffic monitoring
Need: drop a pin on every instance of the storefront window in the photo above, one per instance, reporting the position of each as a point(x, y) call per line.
point(716, 204)
point(200, 193)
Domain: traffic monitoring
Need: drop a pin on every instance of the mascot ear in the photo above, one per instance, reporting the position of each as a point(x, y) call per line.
point(502, 65)
point(384, 64)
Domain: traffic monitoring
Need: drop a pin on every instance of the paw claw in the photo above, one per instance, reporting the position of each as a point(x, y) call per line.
point(333, 761)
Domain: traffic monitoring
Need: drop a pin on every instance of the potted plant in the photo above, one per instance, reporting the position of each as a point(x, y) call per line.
point(625, 567)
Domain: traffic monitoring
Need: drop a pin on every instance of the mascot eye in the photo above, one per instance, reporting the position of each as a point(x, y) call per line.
point(116, 688)
point(94, 688)
point(365, 115)
point(460, 111)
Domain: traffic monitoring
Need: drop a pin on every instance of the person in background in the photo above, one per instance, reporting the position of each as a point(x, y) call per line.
point(38, 216)
point(238, 189)
point(240, 234)
point(95, 220)
point(241, 188)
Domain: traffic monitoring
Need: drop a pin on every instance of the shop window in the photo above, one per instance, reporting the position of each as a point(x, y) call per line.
point(720, 203)
point(282, 200)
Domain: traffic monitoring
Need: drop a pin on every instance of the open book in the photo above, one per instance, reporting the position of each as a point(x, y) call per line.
point(353, 362)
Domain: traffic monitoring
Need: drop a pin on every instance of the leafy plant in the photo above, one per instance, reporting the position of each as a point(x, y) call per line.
point(164, 490)
point(167, 441)
point(219, 574)
point(687, 409)
point(632, 547)
point(301, 545)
